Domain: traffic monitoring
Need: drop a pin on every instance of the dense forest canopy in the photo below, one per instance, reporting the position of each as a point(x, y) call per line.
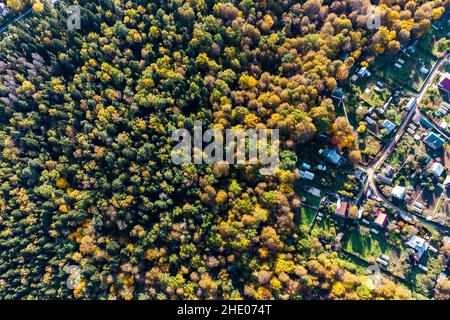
point(86, 118)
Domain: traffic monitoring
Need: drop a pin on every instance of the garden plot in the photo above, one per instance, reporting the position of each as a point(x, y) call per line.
point(420, 170)
point(406, 70)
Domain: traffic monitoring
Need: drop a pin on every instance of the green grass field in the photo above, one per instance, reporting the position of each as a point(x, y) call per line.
point(367, 245)
point(307, 215)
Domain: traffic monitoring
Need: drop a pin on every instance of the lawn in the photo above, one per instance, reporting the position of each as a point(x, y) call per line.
point(307, 216)
point(367, 246)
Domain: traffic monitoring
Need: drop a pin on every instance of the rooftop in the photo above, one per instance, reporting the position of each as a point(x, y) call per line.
point(445, 84)
point(418, 244)
point(341, 209)
point(434, 141)
point(388, 125)
point(382, 220)
point(437, 168)
point(332, 156)
point(306, 175)
point(399, 192)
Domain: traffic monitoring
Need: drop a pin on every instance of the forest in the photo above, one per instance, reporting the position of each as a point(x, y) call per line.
point(86, 117)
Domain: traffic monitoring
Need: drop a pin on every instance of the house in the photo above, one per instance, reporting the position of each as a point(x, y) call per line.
point(427, 124)
point(437, 168)
point(444, 85)
point(382, 178)
point(399, 192)
point(4, 10)
point(382, 220)
point(363, 72)
point(341, 209)
point(419, 245)
point(332, 156)
point(417, 117)
point(443, 125)
point(388, 125)
point(338, 94)
point(306, 175)
point(434, 141)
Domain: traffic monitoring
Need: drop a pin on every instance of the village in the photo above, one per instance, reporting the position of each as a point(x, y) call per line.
point(392, 209)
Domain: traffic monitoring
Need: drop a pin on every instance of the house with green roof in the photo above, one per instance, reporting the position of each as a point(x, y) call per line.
point(434, 141)
point(427, 124)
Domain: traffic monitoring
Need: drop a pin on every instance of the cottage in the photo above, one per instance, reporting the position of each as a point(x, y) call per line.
point(419, 245)
point(444, 85)
point(338, 93)
point(306, 175)
point(434, 141)
point(363, 72)
point(425, 123)
point(417, 117)
point(382, 220)
point(399, 192)
point(332, 156)
point(437, 169)
point(341, 209)
point(388, 125)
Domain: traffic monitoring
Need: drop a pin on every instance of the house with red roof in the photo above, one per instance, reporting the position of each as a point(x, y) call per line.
point(341, 209)
point(444, 85)
point(381, 219)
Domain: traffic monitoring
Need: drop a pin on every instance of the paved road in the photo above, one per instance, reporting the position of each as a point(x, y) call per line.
point(377, 163)
point(18, 18)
